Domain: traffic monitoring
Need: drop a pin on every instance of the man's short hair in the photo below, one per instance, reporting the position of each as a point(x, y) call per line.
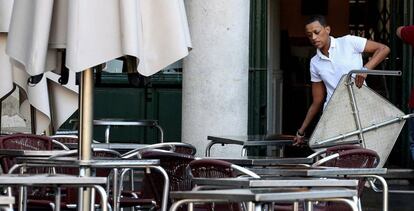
point(320, 18)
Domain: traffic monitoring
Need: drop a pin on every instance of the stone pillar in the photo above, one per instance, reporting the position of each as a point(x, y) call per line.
point(215, 74)
point(274, 73)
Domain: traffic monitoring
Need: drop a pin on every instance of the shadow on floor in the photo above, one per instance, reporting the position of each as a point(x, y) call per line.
point(372, 201)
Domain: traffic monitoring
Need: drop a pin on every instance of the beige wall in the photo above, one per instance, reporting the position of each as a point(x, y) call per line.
point(292, 20)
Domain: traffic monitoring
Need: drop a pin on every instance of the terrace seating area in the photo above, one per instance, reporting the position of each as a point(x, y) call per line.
point(44, 173)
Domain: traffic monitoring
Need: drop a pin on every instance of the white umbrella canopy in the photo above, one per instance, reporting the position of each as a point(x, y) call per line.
point(63, 99)
point(96, 31)
point(92, 32)
point(5, 14)
point(6, 84)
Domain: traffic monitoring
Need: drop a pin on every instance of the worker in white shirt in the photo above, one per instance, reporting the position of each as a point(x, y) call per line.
point(334, 58)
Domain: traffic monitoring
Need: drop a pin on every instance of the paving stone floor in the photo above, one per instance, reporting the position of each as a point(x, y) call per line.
point(372, 201)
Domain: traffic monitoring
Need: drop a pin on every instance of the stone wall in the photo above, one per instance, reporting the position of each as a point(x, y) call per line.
point(11, 119)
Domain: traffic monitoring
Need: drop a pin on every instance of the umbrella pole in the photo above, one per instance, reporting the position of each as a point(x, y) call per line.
point(32, 119)
point(85, 131)
point(1, 105)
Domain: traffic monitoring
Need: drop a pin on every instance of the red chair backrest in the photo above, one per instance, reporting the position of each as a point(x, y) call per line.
point(355, 158)
point(340, 148)
point(350, 156)
point(22, 141)
point(26, 142)
point(210, 168)
point(175, 164)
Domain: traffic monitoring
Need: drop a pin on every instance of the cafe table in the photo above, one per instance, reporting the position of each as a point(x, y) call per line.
point(120, 147)
point(280, 141)
point(105, 163)
point(256, 197)
point(6, 202)
point(31, 153)
point(108, 123)
point(259, 161)
point(242, 182)
point(54, 180)
point(327, 172)
point(117, 122)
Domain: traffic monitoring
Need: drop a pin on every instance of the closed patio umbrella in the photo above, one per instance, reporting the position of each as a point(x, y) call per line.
point(47, 97)
point(93, 32)
point(6, 85)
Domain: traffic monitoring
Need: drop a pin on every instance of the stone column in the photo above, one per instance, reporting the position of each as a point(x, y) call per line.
point(274, 73)
point(215, 74)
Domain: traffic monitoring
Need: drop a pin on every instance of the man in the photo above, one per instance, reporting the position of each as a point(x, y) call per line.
point(406, 34)
point(334, 58)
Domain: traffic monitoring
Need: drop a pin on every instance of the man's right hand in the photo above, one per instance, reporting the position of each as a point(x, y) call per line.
point(299, 140)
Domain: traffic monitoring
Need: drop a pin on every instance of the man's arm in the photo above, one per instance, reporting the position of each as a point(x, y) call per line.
point(318, 98)
point(379, 53)
point(398, 32)
point(406, 34)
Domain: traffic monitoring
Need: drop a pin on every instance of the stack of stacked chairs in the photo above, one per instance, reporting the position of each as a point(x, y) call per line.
point(43, 198)
point(175, 164)
point(69, 202)
point(181, 166)
point(38, 198)
point(342, 156)
point(210, 168)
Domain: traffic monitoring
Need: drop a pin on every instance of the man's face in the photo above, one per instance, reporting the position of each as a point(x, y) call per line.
point(318, 35)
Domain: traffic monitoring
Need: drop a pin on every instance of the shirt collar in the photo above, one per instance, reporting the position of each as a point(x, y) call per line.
point(333, 44)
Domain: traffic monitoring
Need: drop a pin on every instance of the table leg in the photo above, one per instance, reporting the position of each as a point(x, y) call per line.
point(244, 152)
point(80, 197)
point(282, 151)
point(93, 199)
point(104, 197)
point(309, 206)
point(107, 134)
point(250, 206)
point(115, 190)
point(190, 207)
point(161, 133)
point(9, 193)
point(166, 187)
point(295, 206)
point(208, 148)
point(177, 204)
point(58, 198)
point(23, 194)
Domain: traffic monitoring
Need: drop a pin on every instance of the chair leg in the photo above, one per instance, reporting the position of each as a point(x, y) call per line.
point(58, 198)
point(295, 206)
point(309, 206)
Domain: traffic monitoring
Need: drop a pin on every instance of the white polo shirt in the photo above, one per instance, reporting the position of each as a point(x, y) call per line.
point(345, 54)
